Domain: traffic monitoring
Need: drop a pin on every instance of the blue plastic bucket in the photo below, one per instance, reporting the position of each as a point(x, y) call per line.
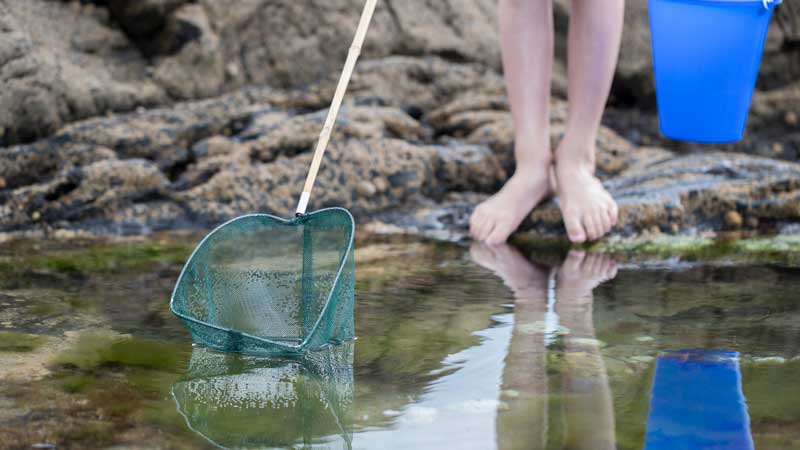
point(706, 55)
point(697, 403)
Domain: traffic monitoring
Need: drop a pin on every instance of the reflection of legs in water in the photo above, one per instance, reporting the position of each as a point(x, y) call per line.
point(588, 410)
point(523, 425)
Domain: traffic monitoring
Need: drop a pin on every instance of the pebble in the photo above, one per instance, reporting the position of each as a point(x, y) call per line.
point(790, 118)
point(380, 184)
point(588, 341)
point(733, 219)
point(642, 359)
point(531, 328)
point(509, 393)
point(366, 189)
point(770, 360)
point(232, 70)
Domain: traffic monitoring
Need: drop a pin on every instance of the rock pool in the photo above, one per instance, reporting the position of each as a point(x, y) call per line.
point(458, 348)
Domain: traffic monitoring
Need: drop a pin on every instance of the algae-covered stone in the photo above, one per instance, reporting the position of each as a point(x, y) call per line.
point(11, 341)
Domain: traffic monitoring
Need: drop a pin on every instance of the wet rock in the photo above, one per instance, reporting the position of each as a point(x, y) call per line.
point(273, 133)
point(421, 84)
point(163, 135)
point(240, 185)
point(303, 41)
point(82, 193)
point(56, 68)
point(192, 63)
point(485, 120)
point(142, 18)
point(696, 192)
point(661, 193)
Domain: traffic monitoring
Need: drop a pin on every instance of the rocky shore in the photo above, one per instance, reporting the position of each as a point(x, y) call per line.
point(128, 117)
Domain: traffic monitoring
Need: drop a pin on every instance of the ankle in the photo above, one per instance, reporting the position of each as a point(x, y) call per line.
point(532, 167)
point(576, 154)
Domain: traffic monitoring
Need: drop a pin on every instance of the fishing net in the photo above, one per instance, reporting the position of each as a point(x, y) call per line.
point(266, 285)
point(241, 401)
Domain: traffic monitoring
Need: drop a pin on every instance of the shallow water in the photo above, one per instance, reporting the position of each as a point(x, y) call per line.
point(457, 348)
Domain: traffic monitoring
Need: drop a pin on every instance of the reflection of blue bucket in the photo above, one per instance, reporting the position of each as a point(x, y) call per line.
point(706, 55)
point(697, 403)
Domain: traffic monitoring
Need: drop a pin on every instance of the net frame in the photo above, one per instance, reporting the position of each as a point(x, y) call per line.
point(334, 321)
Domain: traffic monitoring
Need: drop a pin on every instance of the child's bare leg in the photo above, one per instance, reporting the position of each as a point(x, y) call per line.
point(523, 423)
point(595, 31)
point(526, 34)
point(587, 404)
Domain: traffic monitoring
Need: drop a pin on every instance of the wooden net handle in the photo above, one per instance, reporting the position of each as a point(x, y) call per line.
point(341, 88)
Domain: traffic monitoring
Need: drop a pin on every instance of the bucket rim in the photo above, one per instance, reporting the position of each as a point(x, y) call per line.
point(291, 221)
point(766, 3)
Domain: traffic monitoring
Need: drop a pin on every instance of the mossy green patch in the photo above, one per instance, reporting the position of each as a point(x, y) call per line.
point(94, 350)
point(46, 309)
point(114, 259)
point(778, 249)
point(766, 403)
point(11, 341)
point(37, 267)
point(76, 384)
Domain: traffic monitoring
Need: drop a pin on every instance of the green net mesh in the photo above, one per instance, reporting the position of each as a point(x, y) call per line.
point(266, 285)
point(248, 402)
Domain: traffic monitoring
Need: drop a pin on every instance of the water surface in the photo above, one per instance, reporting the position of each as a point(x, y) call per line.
point(458, 348)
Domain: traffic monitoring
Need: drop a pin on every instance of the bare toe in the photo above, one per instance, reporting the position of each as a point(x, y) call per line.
point(574, 260)
point(614, 213)
point(499, 234)
point(478, 223)
point(575, 230)
point(604, 220)
point(592, 229)
point(591, 265)
point(610, 269)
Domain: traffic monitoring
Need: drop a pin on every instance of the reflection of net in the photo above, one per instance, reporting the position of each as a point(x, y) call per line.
point(261, 284)
point(240, 401)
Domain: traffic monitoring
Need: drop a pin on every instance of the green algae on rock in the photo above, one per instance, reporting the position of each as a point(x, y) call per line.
point(783, 249)
point(94, 350)
point(11, 341)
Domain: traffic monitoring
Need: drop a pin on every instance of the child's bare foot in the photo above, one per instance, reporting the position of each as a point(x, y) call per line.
point(577, 277)
point(584, 272)
point(587, 208)
point(497, 217)
point(519, 274)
